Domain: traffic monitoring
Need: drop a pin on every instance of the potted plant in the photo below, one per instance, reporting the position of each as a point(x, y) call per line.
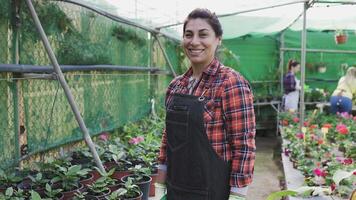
point(127, 191)
point(12, 194)
point(99, 189)
point(8, 180)
point(106, 177)
point(68, 178)
point(340, 37)
point(141, 178)
point(53, 193)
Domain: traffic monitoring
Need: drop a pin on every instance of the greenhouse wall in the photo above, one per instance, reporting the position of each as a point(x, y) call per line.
point(35, 114)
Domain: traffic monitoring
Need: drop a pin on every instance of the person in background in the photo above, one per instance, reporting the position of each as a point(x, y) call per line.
point(341, 98)
point(291, 87)
point(208, 145)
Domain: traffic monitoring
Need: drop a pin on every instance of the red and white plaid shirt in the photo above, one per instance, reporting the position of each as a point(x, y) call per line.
point(230, 103)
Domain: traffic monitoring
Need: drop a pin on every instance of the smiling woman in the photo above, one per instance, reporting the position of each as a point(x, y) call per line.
point(208, 146)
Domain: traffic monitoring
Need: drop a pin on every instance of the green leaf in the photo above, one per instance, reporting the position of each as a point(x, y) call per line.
point(9, 191)
point(339, 175)
point(278, 195)
point(35, 195)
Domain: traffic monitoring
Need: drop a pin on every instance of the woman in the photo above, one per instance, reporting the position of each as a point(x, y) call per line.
point(341, 98)
point(291, 87)
point(208, 147)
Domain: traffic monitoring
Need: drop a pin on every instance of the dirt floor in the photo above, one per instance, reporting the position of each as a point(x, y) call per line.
point(267, 172)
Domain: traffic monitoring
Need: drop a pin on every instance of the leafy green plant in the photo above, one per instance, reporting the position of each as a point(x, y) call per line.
point(99, 187)
point(69, 177)
point(9, 179)
point(52, 193)
point(12, 194)
point(127, 191)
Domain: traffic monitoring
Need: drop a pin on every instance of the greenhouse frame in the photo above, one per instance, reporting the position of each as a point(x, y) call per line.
point(74, 73)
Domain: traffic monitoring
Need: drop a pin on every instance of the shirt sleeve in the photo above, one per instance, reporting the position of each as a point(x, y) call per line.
point(240, 129)
point(163, 149)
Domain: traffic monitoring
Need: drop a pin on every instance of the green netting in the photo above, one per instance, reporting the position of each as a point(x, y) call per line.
point(106, 101)
point(8, 131)
point(256, 58)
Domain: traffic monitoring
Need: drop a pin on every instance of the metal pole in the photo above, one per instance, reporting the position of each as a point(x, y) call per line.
point(65, 86)
point(320, 50)
point(303, 58)
point(165, 55)
point(240, 12)
point(281, 60)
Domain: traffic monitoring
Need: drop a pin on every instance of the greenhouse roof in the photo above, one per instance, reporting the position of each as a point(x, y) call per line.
point(238, 18)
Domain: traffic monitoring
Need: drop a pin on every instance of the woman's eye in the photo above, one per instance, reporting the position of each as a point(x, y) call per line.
point(188, 35)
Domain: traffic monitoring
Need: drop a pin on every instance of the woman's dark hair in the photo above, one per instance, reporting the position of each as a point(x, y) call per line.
point(210, 17)
point(292, 63)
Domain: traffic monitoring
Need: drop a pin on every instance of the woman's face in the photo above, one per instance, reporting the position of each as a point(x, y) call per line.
point(297, 68)
point(200, 42)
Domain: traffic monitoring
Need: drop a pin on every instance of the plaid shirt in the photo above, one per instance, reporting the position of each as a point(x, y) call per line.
point(230, 102)
point(289, 83)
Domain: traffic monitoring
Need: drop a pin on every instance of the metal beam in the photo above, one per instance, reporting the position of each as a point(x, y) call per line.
point(320, 50)
point(120, 19)
point(303, 61)
point(165, 55)
point(65, 86)
point(68, 68)
point(240, 12)
point(338, 2)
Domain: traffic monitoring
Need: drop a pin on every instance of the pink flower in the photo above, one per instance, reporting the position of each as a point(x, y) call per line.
point(319, 172)
point(339, 159)
point(104, 136)
point(300, 135)
point(342, 129)
point(136, 140)
point(345, 115)
point(354, 118)
point(306, 124)
point(296, 119)
point(140, 138)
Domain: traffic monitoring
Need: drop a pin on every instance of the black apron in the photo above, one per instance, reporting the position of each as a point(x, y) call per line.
point(194, 170)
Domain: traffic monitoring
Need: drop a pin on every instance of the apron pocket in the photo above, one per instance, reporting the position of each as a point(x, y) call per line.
point(177, 129)
point(180, 193)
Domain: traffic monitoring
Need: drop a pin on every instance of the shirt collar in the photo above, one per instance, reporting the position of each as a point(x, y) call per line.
point(211, 70)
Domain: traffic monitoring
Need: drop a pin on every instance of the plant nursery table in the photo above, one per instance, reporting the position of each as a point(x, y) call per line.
point(295, 179)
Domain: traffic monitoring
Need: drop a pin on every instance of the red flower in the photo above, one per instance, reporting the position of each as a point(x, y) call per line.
point(300, 135)
point(328, 126)
point(296, 119)
point(285, 122)
point(319, 172)
point(306, 123)
point(342, 129)
point(347, 161)
point(313, 126)
point(333, 186)
point(320, 141)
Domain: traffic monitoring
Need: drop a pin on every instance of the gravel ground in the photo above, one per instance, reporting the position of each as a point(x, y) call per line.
point(267, 172)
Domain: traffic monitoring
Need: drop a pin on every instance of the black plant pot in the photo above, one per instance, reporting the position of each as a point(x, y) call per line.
point(144, 184)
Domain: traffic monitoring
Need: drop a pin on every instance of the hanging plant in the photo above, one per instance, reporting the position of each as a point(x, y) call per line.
point(340, 37)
